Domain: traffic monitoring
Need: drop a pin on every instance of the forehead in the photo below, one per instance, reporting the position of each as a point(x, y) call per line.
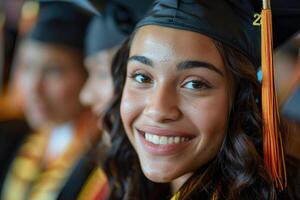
point(101, 59)
point(38, 53)
point(169, 44)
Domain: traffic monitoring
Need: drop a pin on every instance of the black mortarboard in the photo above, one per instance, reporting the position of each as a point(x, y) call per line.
point(129, 11)
point(109, 29)
point(230, 22)
point(102, 34)
point(60, 23)
point(113, 22)
point(85, 4)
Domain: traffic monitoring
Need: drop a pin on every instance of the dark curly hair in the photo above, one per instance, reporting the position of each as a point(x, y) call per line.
point(237, 171)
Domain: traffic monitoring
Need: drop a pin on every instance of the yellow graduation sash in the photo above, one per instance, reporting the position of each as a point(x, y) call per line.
point(28, 180)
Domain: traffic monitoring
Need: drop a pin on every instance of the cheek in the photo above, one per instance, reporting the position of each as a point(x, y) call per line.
point(131, 108)
point(104, 90)
point(65, 90)
point(210, 116)
point(26, 84)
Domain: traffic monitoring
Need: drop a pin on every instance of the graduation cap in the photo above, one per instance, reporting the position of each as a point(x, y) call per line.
point(114, 20)
point(62, 23)
point(103, 33)
point(129, 11)
point(85, 4)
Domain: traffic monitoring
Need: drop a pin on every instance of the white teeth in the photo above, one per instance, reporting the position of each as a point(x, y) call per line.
point(155, 139)
point(163, 140)
point(177, 140)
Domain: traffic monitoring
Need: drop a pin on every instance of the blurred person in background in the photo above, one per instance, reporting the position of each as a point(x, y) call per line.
point(13, 127)
point(50, 64)
point(287, 65)
point(105, 34)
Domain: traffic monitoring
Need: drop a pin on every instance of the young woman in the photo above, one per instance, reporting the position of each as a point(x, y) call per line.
point(50, 61)
point(186, 111)
point(101, 43)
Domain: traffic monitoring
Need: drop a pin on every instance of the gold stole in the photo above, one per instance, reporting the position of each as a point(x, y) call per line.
point(96, 186)
point(28, 180)
point(215, 196)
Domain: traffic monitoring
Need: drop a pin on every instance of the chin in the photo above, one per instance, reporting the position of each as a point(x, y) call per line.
point(158, 176)
point(157, 179)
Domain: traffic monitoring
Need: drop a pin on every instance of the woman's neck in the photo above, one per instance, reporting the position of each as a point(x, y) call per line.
point(177, 183)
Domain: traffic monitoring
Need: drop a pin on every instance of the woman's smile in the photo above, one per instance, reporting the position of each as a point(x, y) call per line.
point(163, 142)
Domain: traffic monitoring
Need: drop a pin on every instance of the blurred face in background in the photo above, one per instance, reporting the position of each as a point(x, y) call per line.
point(98, 89)
point(51, 79)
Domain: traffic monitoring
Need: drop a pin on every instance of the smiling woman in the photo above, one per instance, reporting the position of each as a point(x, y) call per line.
point(186, 110)
point(161, 102)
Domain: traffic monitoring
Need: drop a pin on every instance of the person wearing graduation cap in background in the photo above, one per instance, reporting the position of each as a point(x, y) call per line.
point(50, 60)
point(187, 103)
point(286, 25)
point(287, 68)
point(104, 34)
point(101, 42)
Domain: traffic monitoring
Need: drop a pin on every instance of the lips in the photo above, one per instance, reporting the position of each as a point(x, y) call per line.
point(163, 141)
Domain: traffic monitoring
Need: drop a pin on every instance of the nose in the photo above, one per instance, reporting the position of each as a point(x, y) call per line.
point(163, 105)
point(86, 94)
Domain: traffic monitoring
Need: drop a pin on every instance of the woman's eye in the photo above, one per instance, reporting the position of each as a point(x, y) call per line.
point(141, 78)
point(196, 85)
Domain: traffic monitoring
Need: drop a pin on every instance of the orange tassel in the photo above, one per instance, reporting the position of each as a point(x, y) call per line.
point(273, 147)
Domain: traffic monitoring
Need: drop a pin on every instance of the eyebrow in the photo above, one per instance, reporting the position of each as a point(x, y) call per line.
point(142, 59)
point(188, 64)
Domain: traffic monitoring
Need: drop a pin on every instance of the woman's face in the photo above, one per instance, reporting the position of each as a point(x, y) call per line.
point(51, 78)
point(175, 102)
point(98, 89)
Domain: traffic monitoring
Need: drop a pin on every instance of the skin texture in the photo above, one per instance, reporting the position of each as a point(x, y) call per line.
point(98, 89)
point(51, 79)
point(160, 98)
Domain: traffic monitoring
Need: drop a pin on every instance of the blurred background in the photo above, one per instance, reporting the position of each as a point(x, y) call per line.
point(16, 18)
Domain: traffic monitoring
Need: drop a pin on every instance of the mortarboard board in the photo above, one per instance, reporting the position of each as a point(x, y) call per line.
point(102, 34)
point(85, 4)
point(116, 19)
point(62, 23)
